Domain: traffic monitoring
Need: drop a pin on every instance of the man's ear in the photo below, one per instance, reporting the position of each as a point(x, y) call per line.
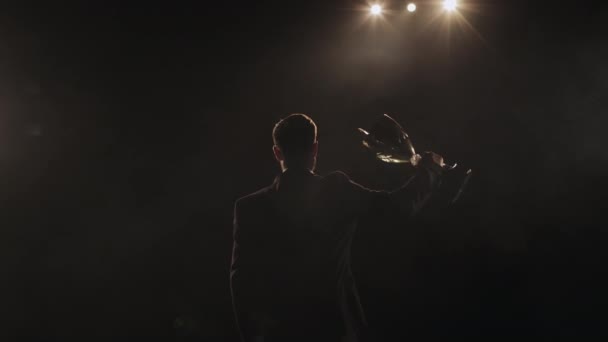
point(278, 155)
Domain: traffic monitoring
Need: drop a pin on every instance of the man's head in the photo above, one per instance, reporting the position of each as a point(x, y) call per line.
point(295, 142)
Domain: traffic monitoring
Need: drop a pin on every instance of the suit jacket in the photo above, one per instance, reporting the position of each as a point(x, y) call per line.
point(290, 275)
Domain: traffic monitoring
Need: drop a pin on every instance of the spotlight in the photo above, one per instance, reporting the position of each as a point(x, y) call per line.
point(450, 5)
point(411, 7)
point(376, 9)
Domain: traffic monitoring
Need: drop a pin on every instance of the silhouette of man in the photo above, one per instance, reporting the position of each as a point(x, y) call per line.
point(290, 276)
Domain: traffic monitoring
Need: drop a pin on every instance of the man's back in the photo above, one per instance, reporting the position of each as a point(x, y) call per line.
point(291, 262)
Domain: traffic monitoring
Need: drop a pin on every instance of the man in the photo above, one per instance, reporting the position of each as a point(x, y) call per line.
point(291, 278)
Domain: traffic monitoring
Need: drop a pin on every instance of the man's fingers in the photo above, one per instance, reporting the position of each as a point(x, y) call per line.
point(432, 157)
point(415, 159)
point(438, 159)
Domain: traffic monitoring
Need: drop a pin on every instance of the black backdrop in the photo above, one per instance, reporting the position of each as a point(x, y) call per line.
point(128, 130)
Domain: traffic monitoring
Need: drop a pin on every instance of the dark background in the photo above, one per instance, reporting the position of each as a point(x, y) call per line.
point(127, 130)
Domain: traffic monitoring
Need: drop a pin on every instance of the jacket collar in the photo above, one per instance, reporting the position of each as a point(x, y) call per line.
point(294, 175)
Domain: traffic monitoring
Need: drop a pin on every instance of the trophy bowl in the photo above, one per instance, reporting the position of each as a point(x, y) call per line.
point(388, 141)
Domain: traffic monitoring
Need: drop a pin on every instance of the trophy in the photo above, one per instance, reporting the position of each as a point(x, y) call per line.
point(389, 142)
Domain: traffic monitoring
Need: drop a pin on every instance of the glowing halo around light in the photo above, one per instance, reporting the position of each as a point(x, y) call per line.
point(375, 9)
point(411, 7)
point(450, 5)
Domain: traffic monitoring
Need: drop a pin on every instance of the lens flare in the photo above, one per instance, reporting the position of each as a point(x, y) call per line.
point(450, 5)
point(376, 9)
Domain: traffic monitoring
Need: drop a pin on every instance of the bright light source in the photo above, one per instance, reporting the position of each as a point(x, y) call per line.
point(376, 9)
point(411, 7)
point(450, 5)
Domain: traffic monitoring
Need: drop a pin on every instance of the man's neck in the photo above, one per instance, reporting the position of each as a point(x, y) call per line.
point(297, 169)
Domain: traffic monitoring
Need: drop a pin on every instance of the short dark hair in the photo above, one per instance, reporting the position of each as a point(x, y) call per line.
point(295, 135)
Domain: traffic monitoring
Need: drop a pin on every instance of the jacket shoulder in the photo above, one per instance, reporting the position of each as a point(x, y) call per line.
point(253, 199)
point(338, 177)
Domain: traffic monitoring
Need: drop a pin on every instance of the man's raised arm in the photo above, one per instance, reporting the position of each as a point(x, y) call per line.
point(407, 199)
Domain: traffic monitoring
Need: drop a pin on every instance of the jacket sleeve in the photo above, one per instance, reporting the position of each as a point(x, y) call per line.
point(243, 283)
point(407, 200)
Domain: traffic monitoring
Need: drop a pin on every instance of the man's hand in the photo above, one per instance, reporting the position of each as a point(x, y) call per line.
point(428, 160)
